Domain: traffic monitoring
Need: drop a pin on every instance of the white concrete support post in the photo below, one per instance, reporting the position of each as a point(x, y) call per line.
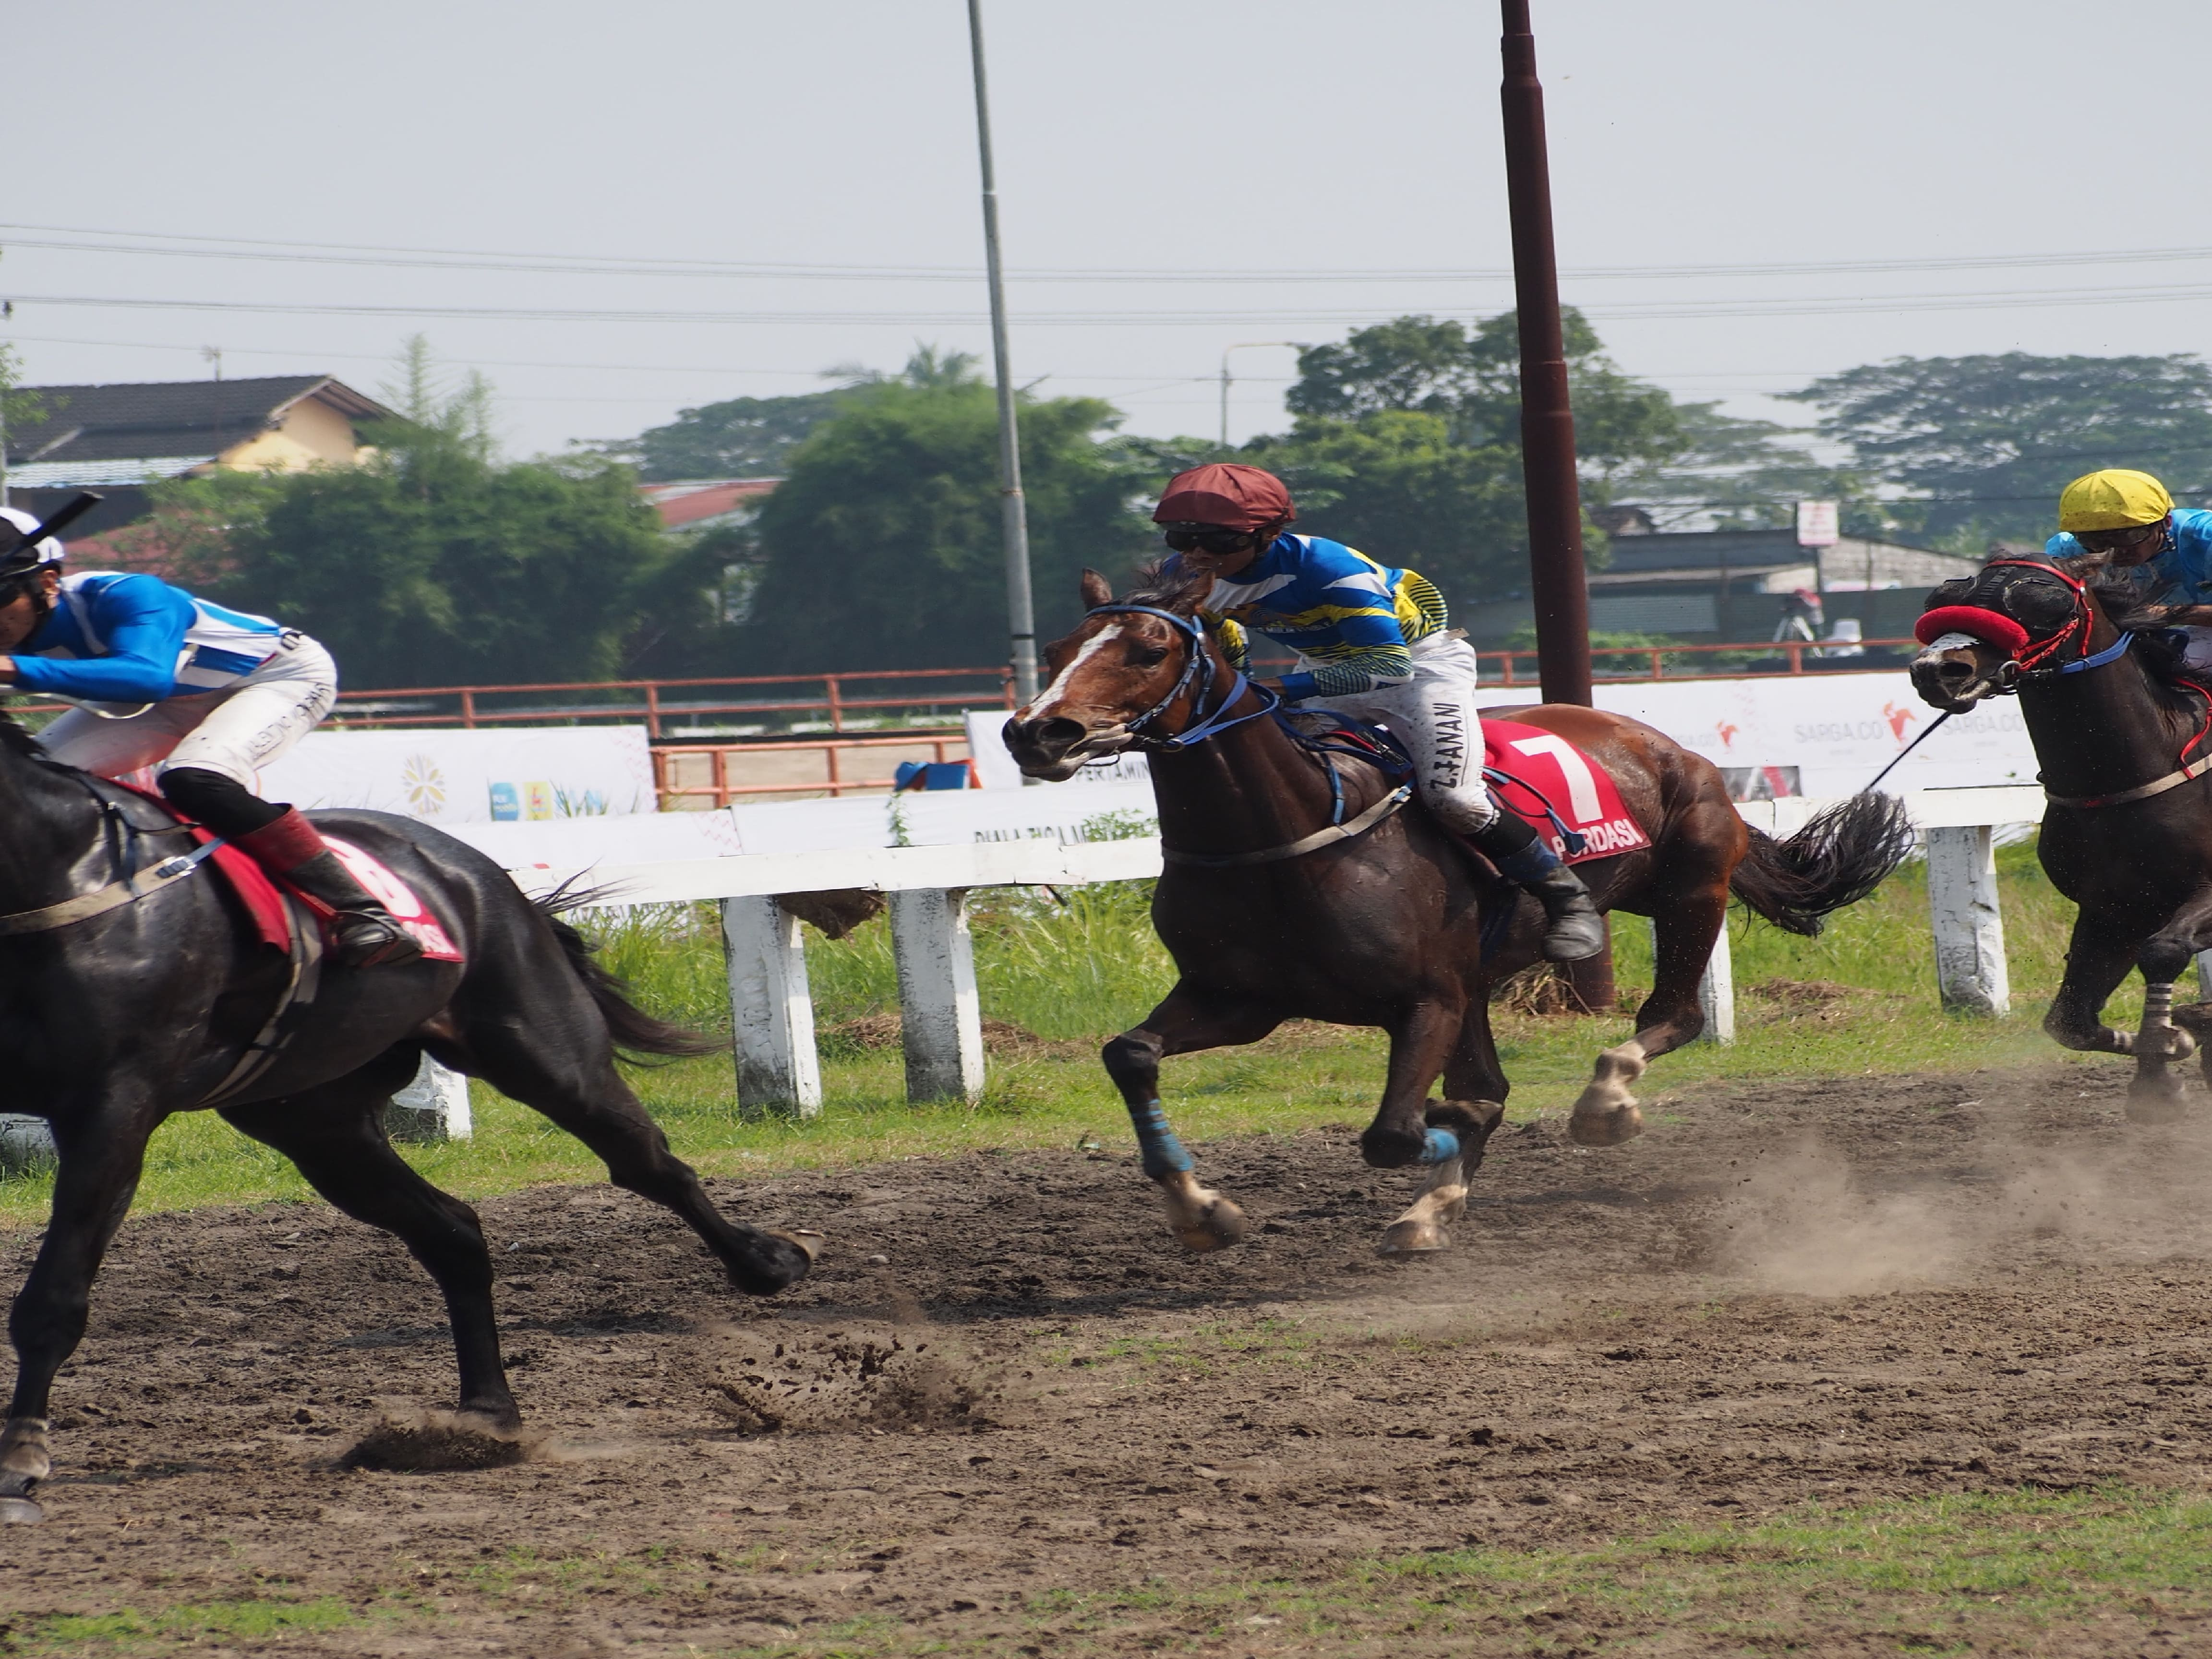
point(2205, 975)
point(1962, 903)
point(778, 1071)
point(940, 1017)
point(435, 1107)
point(1717, 992)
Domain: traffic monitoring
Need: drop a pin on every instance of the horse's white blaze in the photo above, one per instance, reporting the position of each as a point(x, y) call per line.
point(1053, 693)
point(1952, 642)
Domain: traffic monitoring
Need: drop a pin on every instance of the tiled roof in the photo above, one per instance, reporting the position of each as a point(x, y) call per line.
point(165, 418)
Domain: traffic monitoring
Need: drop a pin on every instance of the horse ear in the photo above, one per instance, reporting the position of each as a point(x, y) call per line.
point(1095, 589)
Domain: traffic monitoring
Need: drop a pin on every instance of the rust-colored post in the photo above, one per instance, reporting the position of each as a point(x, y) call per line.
point(1547, 421)
point(468, 710)
point(1557, 582)
point(836, 707)
point(652, 709)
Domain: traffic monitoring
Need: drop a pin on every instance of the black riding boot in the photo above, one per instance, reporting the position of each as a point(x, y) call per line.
point(1573, 929)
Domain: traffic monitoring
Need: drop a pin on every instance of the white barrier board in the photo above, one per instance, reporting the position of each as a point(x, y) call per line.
point(522, 774)
point(1837, 730)
point(574, 843)
point(934, 818)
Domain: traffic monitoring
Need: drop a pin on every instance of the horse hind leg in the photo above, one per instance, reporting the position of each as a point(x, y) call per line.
point(1684, 931)
point(335, 1134)
point(1186, 1021)
point(2155, 1093)
point(561, 1062)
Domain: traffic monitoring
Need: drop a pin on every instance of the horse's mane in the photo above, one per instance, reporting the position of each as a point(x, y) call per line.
point(17, 739)
point(1167, 589)
point(2127, 604)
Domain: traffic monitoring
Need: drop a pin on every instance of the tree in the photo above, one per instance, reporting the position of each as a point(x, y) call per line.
point(881, 548)
point(433, 563)
point(1989, 441)
point(1407, 445)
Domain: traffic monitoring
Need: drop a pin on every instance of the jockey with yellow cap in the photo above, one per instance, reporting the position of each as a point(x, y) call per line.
point(2130, 519)
point(1372, 643)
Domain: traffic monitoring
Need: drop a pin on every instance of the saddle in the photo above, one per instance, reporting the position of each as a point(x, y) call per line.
point(1537, 775)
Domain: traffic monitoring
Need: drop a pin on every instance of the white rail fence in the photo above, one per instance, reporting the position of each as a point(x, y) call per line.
point(777, 1068)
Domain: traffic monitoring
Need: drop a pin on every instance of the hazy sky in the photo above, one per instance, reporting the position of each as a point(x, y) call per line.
point(1175, 179)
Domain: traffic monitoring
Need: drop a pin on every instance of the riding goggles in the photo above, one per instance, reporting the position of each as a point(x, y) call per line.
point(1206, 538)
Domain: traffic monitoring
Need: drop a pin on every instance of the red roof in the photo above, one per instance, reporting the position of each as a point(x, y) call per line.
point(681, 504)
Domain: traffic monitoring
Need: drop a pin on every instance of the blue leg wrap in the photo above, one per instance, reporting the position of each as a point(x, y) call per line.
point(1439, 1146)
point(1163, 1153)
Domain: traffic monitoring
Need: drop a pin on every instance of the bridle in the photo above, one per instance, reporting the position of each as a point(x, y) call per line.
point(2028, 665)
point(1198, 664)
point(2032, 661)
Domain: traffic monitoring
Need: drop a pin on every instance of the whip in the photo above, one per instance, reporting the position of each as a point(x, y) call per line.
point(1907, 750)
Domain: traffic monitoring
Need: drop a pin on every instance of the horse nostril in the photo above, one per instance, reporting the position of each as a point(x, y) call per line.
point(1057, 732)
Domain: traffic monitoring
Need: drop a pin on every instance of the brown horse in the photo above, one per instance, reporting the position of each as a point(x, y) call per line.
point(2127, 834)
point(1275, 911)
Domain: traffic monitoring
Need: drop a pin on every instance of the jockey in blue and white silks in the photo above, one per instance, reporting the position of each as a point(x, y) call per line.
point(204, 695)
point(1373, 643)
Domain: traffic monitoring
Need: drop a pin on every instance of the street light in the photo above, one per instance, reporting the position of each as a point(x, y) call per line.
point(1243, 345)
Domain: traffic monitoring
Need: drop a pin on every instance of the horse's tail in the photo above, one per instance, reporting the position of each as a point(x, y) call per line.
point(635, 1032)
point(1843, 854)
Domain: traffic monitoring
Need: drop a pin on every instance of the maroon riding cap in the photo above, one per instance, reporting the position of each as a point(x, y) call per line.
point(1223, 493)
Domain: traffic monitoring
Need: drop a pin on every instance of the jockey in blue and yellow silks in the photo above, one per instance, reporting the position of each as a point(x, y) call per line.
point(1373, 643)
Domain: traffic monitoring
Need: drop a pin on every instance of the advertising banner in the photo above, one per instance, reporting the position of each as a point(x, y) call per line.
point(1828, 734)
point(524, 774)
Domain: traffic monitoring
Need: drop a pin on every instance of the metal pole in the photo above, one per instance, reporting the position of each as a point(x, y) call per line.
point(1547, 421)
point(1243, 345)
point(1556, 581)
point(1021, 613)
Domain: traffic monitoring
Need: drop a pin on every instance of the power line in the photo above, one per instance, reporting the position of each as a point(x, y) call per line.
point(598, 264)
point(1718, 310)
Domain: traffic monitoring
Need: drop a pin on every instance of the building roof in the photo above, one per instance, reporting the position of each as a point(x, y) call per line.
point(165, 427)
point(695, 501)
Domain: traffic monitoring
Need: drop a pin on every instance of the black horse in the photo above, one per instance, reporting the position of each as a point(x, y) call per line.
point(113, 1021)
point(2127, 834)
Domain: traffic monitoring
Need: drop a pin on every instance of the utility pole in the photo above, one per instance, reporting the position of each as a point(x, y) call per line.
point(1547, 421)
point(1557, 582)
point(1014, 525)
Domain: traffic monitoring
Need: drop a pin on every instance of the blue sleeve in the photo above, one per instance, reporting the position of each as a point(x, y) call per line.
point(142, 620)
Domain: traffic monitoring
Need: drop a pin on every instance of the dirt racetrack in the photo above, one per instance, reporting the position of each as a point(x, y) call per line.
point(1005, 1382)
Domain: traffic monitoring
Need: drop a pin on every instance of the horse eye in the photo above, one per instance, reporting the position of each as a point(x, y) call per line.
point(1149, 656)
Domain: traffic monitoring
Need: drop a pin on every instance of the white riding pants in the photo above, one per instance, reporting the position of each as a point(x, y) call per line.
point(234, 730)
point(1434, 712)
point(2197, 651)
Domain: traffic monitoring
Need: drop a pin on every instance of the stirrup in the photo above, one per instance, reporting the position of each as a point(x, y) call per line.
point(369, 939)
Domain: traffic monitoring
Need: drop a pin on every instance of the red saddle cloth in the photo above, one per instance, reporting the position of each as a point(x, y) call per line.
point(273, 917)
point(1547, 769)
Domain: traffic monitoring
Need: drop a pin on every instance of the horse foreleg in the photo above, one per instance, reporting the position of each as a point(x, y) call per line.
point(335, 1134)
point(1684, 930)
point(1187, 1020)
point(2155, 1093)
point(101, 1154)
point(2096, 961)
point(1418, 1046)
point(1474, 1090)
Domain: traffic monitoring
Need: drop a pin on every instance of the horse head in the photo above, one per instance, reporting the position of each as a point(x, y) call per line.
point(1120, 669)
point(2018, 617)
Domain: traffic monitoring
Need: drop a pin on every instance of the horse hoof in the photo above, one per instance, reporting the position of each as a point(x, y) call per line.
point(1606, 1129)
point(807, 1238)
point(1221, 1225)
point(1413, 1238)
point(19, 1512)
point(2159, 1108)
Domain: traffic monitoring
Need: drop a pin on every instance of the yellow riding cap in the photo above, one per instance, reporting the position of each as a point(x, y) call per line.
point(2114, 499)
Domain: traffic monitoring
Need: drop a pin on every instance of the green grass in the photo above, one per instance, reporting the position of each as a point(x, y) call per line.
point(2000, 1571)
point(1087, 964)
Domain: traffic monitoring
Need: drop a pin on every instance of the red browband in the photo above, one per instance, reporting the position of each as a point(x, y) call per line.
point(1992, 626)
